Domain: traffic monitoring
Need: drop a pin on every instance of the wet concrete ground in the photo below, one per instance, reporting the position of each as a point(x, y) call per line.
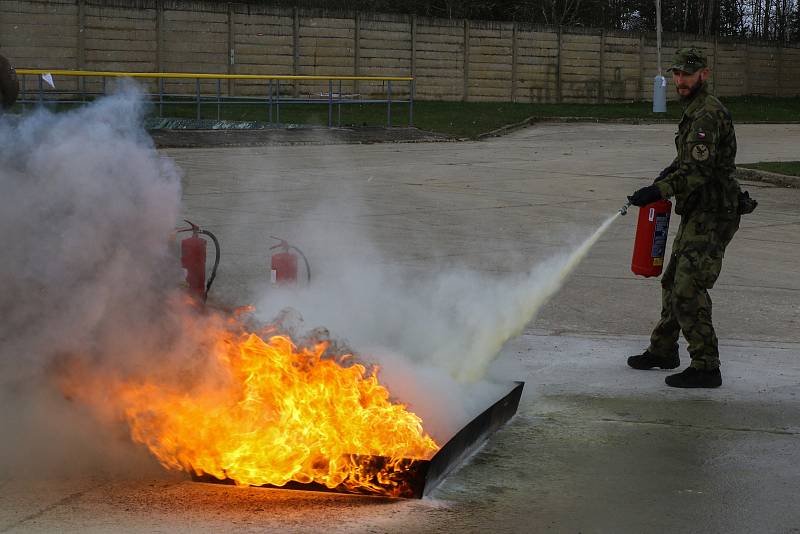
point(596, 446)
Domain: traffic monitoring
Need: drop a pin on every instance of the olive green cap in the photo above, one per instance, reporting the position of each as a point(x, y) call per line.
point(688, 60)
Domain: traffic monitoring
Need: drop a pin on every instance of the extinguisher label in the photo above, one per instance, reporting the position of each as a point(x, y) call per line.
point(273, 276)
point(660, 238)
point(651, 214)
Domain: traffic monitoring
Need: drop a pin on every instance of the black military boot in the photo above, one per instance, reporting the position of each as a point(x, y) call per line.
point(695, 378)
point(648, 360)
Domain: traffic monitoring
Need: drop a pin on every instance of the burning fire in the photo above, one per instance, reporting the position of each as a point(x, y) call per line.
point(274, 412)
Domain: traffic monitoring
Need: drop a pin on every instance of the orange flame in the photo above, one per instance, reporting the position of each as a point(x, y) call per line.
point(276, 413)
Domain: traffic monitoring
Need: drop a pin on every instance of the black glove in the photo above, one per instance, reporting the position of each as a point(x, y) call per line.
point(663, 174)
point(644, 196)
point(746, 204)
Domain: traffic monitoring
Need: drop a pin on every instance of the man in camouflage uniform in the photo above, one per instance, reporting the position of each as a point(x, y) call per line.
point(707, 197)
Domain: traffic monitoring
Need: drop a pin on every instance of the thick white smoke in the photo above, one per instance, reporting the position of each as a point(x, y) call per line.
point(86, 211)
point(455, 320)
point(435, 332)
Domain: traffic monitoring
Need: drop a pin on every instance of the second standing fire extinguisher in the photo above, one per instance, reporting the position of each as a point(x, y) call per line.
point(650, 244)
point(283, 264)
point(193, 260)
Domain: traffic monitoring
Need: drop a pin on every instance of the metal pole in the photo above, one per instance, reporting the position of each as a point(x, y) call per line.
point(22, 91)
point(389, 104)
point(161, 97)
point(41, 91)
point(339, 121)
point(659, 82)
point(330, 103)
point(411, 103)
point(197, 96)
point(219, 83)
point(269, 101)
point(658, 34)
point(278, 101)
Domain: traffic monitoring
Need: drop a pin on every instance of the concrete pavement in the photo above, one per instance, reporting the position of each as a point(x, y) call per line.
point(596, 447)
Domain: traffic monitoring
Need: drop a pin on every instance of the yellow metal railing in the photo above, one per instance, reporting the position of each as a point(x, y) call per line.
point(273, 98)
point(186, 75)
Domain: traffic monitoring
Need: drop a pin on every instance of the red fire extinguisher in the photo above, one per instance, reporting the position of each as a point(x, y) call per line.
point(193, 260)
point(283, 264)
point(651, 238)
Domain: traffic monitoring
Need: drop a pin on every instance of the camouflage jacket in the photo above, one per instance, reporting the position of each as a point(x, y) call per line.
point(702, 179)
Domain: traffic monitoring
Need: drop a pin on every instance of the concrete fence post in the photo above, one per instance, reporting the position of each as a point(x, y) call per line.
point(356, 51)
point(466, 61)
point(779, 71)
point(231, 47)
point(715, 46)
point(295, 50)
point(559, 96)
point(413, 45)
point(81, 55)
point(601, 97)
point(514, 75)
point(747, 69)
point(640, 84)
point(160, 35)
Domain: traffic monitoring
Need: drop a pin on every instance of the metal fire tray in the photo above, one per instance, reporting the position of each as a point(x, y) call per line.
point(422, 476)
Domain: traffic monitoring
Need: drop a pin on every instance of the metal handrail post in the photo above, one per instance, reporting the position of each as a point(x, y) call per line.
point(278, 101)
point(22, 91)
point(41, 91)
point(197, 96)
point(104, 86)
point(339, 119)
point(389, 103)
point(161, 97)
point(219, 82)
point(269, 101)
point(411, 103)
point(330, 103)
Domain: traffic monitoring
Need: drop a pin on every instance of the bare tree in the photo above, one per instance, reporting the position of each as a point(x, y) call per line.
point(709, 17)
point(560, 12)
point(765, 19)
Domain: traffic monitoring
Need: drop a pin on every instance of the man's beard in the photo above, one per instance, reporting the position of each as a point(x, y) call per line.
point(692, 91)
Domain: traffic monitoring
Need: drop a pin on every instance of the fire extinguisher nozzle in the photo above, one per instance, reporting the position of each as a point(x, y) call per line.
point(624, 209)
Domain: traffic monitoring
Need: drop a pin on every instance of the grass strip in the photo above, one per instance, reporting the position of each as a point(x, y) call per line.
point(788, 168)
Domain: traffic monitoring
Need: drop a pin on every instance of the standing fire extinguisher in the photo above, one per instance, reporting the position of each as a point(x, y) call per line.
point(650, 244)
point(193, 260)
point(283, 264)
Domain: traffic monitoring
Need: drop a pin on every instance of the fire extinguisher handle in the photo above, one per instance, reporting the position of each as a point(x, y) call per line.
point(282, 243)
point(192, 227)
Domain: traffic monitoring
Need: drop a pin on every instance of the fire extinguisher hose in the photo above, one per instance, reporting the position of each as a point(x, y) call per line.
point(216, 262)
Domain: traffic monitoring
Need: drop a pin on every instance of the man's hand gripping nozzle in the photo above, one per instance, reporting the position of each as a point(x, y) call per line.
point(624, 209)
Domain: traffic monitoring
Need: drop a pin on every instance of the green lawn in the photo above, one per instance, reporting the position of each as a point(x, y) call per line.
point(789, 168)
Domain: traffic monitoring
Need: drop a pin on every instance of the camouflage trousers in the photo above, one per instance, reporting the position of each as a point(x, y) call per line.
point(693, 269)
